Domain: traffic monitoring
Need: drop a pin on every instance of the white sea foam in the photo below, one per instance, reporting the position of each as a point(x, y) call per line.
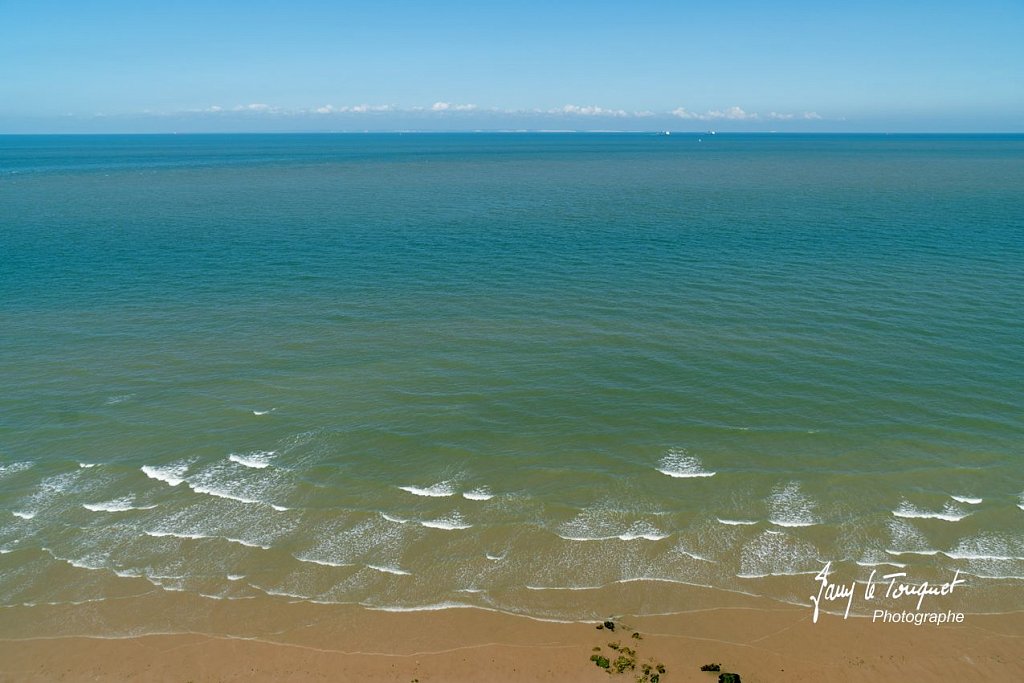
point(60, 483)
point(212, 597)
point(778, 554)
point(12, 467)
point(905, 538)
point(172, 589)
point(587, 539)
point(260, 413)
point(256, 460)
point(439, 490)
point(322, 562)
point(221, 493)
point(789, 506)
point(119, 505)
point(925, 553)
point(563, 588)
point(280, 508)
point(988, 548)
point(417, 608)
point(282, 594)
point(661, 579)
point(681, 465)
point(949, 513)
point(881, 564)
point(114, 400)
point(389, 570)
point(82, 564)
point(692, 555)
point(737, 522)
point(169, 474)
point(494, 558)
point(175, 534)
point(969, 500)
point(392, 518)
point(595, 525)
point(469, 590)
point(481, 493)
point(247, 544)
point(23, 515)
point(998, 577)
point(766, 575)
point(631, 536)
point(165, 577)
point(444, 524)
point(961, 555)
point(638, 531)
point(128, 573)
point(450, 523)
point(86, 465)
point(236, 577)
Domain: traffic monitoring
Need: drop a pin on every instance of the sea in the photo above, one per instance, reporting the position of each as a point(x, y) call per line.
point(550, 374)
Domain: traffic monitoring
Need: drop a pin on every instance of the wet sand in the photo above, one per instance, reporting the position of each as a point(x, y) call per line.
point(760, 640)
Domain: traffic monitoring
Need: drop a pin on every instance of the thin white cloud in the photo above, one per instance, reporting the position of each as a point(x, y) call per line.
point(440, 107)
point(448, 106)
point(366, 108)
point(256, 107)
point(688, 115)
point(351, 109)
point(575, 110)
point(730, 114)
point(739, 114)
point(213, 109)
point(733, 114)
point(805, 116)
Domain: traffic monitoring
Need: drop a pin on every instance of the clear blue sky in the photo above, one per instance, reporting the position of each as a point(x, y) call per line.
point(114, 65)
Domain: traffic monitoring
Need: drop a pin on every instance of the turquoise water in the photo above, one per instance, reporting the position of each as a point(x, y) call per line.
point(411, 371)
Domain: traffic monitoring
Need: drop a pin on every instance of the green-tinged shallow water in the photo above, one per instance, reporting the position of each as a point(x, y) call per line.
point(422, 370)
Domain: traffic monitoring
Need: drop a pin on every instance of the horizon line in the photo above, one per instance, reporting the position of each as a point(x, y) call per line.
point(515, 131)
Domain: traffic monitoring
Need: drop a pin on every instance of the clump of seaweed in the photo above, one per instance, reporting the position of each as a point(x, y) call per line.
point(651, 673)
point(711, 667)
point(729, 678)
point(624, 658)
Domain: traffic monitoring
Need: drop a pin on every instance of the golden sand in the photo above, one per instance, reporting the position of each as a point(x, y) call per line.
point(760, 640)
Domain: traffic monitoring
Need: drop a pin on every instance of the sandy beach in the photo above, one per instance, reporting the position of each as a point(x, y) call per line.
point(759, 639)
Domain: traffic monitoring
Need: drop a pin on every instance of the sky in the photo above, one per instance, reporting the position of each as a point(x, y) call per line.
point(353, 65)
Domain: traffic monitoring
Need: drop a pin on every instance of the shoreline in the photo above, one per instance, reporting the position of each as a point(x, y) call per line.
point(757, 638)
